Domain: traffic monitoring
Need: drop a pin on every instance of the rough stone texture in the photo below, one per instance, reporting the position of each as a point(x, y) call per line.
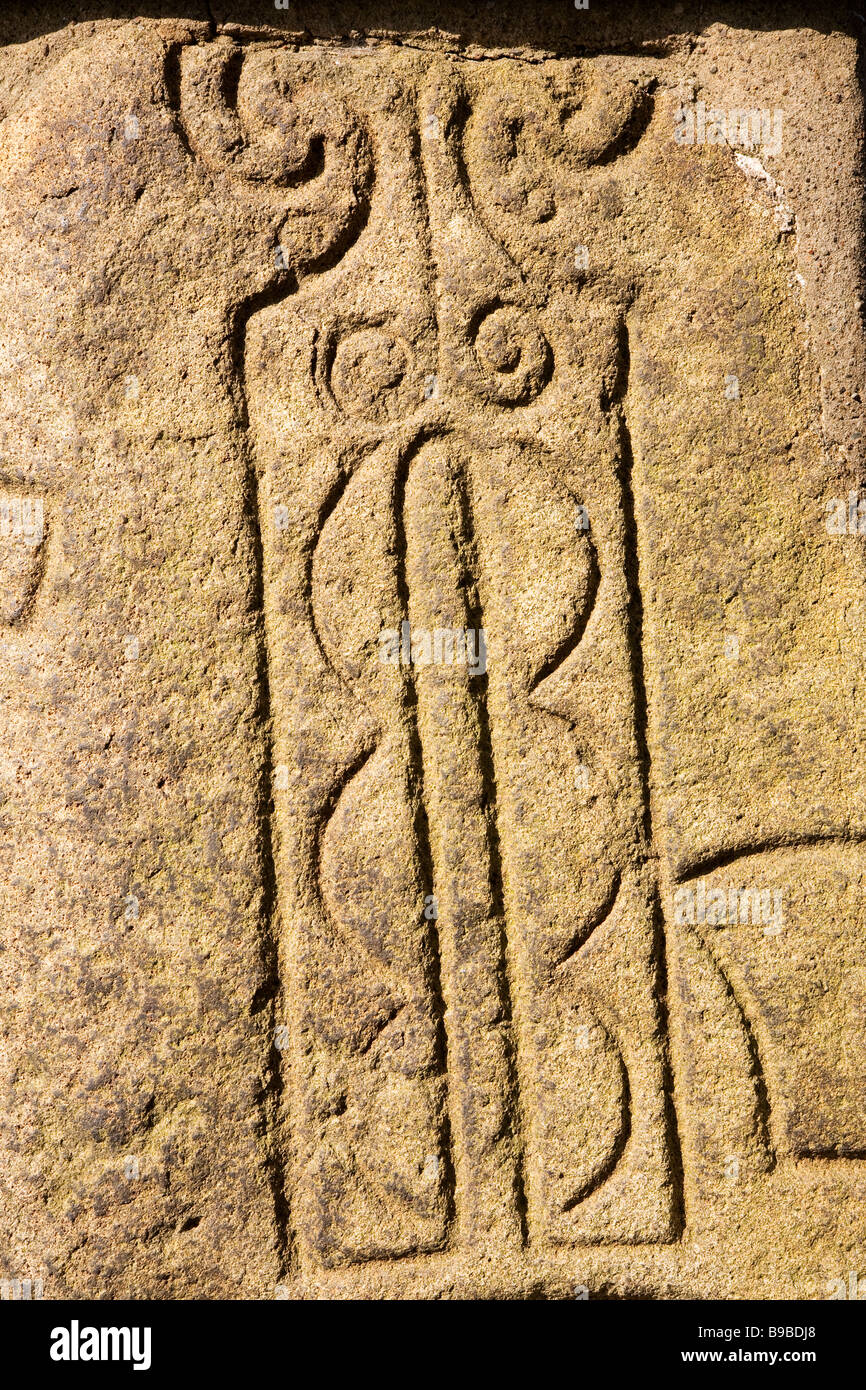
point(328, 975)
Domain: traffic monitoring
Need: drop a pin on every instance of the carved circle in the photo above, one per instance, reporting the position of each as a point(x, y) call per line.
point(368, 369)
point(513, 355)
point(373, 371)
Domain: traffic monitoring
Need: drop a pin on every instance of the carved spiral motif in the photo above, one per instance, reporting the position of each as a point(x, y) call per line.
point(513, 356)
point(369, 374)
point(250, 116)
point(527, 143)
point(519, 135)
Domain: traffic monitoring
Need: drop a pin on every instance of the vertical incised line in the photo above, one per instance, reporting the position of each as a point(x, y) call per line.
point(475, 619)
point(448, 708)
point(423, 846)
point(270, 994)
point(655, 859)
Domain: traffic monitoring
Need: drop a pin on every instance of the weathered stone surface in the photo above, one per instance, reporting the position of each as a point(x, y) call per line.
point(432, 811)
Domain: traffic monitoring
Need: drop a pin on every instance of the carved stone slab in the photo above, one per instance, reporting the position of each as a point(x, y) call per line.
point(432, 814)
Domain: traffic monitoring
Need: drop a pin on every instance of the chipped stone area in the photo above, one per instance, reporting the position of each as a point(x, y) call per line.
point(432, 613)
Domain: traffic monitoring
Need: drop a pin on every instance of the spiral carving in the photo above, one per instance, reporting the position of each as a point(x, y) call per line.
point(251, 116)
point(528, 145)
point(372, 373)
point(513, 356)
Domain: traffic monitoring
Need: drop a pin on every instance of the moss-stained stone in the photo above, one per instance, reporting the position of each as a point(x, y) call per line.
point(432, 610)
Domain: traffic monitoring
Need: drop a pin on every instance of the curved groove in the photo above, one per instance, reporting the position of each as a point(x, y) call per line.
point(626, 139)
point(633, 129)
point(225, 83)
point(330, 503)
point(485, 384)
point(334, 252)
point(575, 637)
point(322, 820)
point(460, 113)
point(19, 620)
point(763, 1106)
point(723, 858)
point(432, 961)
point(379, 1028)
point(580, 937)
point(314, 168)
point(327, 810)
point(326, 345)
point(172, 81)
point(607, 1169)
